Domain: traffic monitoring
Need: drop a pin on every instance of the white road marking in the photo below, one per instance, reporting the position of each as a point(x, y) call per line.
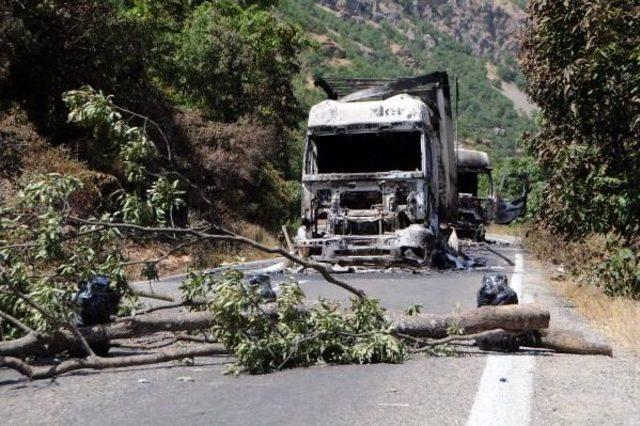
point(506, 388)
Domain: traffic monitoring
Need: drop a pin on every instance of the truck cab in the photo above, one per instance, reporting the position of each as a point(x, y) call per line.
point(376, 175)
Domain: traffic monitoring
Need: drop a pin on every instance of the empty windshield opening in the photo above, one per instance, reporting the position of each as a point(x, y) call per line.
point(477, 184)
point(368, 152)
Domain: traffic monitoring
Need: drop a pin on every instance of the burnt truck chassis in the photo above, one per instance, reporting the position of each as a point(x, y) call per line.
point(475, 212)
point(343, 230)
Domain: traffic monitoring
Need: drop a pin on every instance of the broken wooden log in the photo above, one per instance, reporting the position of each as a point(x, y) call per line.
point(513, 317)
point(558, 340)
point(33, 344)
point(572, 342)
point(509, 317)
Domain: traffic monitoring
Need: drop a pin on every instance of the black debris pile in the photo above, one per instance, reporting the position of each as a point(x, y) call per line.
point(262, 283)
point(95, 303)
point(495, 290)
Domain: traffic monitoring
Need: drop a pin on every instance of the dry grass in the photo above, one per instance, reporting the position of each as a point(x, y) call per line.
point(511, 230)
point(202, 256)
point(339, 62)
point(617, 317)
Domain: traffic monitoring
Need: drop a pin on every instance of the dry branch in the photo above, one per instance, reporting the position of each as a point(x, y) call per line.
point(97, 363)
point(152, 294)
point(230, 237)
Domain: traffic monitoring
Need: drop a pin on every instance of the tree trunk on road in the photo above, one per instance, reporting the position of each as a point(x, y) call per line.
point(513, 317)
point(509, 317)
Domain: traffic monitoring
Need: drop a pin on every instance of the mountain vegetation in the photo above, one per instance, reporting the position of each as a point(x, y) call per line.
point(475, 44)
point(210, 82)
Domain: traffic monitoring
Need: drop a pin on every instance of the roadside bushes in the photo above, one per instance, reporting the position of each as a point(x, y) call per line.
point(581, 59)
point(606, 261)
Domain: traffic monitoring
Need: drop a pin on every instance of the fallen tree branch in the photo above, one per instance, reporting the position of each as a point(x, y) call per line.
point(457, 338)
point(509, 317)
point(96, 363)
point(512, 317)
point(319, 267)
point(169, 306)
point(164, 256)
point(16, 322)
point(64, 322)
point(152, 294)
point(572, 342)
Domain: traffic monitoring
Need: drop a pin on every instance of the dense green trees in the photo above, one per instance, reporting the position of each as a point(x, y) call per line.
point(581, 59)
point(234, 61)
point(582, 63)
point(223, 67)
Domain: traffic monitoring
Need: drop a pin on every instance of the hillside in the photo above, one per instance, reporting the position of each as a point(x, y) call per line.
point(476, 43)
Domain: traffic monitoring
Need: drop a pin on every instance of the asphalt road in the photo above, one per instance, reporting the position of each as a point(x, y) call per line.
point(474, 388)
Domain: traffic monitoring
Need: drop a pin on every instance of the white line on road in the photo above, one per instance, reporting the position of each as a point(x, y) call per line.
point(506, 387)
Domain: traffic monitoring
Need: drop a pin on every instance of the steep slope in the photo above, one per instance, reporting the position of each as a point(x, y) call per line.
point(474, 40)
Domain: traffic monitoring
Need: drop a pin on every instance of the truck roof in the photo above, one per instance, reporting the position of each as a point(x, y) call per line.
point(397, 109)
point(472, 159)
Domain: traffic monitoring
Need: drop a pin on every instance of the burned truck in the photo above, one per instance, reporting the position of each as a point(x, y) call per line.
point(476, 199)
point(379, 172)
point(479, 204)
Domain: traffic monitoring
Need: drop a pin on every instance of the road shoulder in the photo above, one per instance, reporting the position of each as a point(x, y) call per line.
point(574, 389)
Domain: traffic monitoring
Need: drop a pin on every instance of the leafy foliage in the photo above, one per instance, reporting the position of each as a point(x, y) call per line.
point(236, 61)
point(581, 60)
point(45, 259)
point(266, 341)
point(128, 145)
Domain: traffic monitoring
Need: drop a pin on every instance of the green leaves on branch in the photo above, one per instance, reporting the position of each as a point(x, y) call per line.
point(133, 148)
point(290, 336)
point(93, 110)
point(165, 196)
point(44, 257)
point(581, 63)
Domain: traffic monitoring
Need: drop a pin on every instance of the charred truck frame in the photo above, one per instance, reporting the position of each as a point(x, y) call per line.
point(379, 172)
point(475, 211)
point(478, 203)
